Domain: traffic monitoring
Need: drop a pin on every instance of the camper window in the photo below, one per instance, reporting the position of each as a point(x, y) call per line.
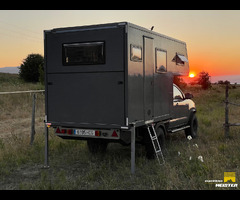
point(87, 53)
point(136, 53)
point(161, 61)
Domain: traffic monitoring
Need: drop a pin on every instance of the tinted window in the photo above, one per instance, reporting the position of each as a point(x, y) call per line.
point(87, 53)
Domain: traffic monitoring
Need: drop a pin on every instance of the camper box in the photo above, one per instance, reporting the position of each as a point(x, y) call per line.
point(110, 76)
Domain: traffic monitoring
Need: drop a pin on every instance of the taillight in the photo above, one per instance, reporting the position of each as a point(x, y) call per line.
point(58, 130)
point(97, 133)
point(63, 131)
point(69, 131)
point(114, 134)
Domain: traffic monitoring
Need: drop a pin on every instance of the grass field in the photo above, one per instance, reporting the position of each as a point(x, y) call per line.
point(73, 167)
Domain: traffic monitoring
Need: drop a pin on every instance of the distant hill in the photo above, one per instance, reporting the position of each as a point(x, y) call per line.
point(231, 78)
point(10, 70)
point(214, 79)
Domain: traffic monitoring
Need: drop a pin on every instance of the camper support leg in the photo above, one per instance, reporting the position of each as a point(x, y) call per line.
point(46, 148)
point(133, 149)
point(33, 119)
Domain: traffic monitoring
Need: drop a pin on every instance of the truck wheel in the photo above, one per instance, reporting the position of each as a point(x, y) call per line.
point(150, 153)
point(97, 146)
point(192, 130)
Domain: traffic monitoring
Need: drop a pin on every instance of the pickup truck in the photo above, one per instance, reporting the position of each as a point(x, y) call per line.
point(184, 118)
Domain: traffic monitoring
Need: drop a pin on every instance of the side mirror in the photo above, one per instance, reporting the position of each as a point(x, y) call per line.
point(188, 96)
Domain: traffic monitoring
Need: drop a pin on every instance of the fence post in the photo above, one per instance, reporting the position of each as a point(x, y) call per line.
point(33, 119)
point(226, 112)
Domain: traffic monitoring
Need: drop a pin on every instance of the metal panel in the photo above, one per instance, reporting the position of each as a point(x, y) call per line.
point(135, 96)
point(163, 92)
point(86, 98)
point(113, 38)
point(148, 59)
point(171, 45)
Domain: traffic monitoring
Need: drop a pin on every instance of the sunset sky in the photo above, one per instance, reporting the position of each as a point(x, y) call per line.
point(212, 37)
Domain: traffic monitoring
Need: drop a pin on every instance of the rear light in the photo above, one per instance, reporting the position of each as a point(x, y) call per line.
point(114, 134)
point(58, 130)
point(63, 131)
point(69, 131)
point(97, 133)
point(48, 125)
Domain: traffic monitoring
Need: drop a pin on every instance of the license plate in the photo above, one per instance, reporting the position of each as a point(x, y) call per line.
point(84, 132)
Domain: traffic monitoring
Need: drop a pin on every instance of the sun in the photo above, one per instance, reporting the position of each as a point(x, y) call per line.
point(191, 75)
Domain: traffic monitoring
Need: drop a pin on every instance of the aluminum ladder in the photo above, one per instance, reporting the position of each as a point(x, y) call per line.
point(156, 144)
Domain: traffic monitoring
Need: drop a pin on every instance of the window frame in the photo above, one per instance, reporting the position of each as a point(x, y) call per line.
point(83, 63)
point(131, 53)
point(179, 90)
point(156, 58)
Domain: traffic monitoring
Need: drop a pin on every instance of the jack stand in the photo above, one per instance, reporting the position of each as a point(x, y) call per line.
point(133, 138)
point(46, 164)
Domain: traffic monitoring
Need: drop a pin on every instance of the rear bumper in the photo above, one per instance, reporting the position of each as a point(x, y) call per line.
point(84, 125)
point(113, 134)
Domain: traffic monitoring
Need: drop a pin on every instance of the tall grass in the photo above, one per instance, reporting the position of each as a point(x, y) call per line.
point(73, 167)
point(12, 82)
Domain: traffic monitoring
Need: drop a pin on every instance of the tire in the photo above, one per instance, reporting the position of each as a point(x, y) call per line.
point(150, 153)
point(162, 139)
point(97, 146)
point(192, 130)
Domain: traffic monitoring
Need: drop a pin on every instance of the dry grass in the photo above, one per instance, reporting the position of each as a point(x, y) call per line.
point(16, 109)
point(73, 167)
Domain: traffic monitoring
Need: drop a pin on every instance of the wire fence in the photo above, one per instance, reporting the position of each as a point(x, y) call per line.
point(34, 92)
point(21, 92)
point(227, 124)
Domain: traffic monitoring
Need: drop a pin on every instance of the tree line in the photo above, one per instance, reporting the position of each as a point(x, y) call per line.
point(203, 79)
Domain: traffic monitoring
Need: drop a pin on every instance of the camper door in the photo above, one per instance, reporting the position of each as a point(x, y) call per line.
point(148, 78)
